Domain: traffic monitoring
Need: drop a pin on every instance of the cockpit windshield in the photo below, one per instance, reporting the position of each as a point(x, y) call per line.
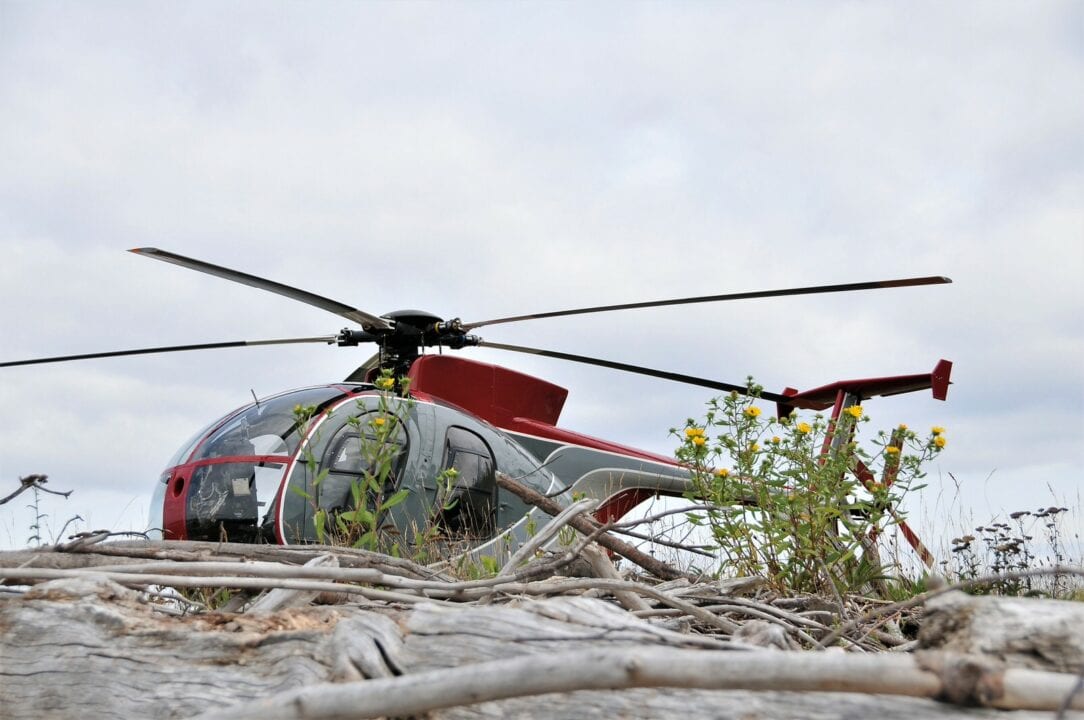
point(269, 427)
point(230, 473)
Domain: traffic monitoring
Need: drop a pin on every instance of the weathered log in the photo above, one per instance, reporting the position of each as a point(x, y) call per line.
point(133, 551)
point(88, 647)
point(1031, 633)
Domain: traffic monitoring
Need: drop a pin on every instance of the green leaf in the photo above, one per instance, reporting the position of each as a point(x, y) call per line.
point(359, 516)
point(397, 498)
point(367, 541)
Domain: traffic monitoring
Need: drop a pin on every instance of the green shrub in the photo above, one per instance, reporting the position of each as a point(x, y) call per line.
point(785, 501)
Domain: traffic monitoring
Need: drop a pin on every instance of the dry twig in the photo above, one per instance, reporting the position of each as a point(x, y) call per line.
point(586, 527)
point(36, 481)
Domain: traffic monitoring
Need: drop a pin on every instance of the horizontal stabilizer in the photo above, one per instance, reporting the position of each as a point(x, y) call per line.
point(824, 397)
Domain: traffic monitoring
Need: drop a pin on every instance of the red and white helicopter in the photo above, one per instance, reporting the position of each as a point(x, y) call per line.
point(262, 474)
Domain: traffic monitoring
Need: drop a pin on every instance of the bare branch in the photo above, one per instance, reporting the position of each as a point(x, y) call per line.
point(36, 481)
point(695, 549)
point(961, 679)
point(660, 515)
point(546, 533)
point(605, 569)
point(586, 527)
point(141, 580)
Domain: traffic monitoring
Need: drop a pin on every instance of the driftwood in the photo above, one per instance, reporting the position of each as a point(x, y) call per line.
point(1023, 632)
point(588, 526)
point(84, 645)
point(547, 533)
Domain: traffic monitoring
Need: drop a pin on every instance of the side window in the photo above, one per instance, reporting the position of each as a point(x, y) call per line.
point(347, 460)
point(473, 500)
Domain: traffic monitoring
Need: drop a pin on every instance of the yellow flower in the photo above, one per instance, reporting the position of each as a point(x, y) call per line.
point(378, 422)
point(940, 441)
point(752, 411)
point(387, 383)
point(722, 472)
point(937, 430)
point(804, 428)
point(776, 440)
point(694, 432)
point(892, 450)
point(855, 411)
point(699, 440)
point(754, 448)
point(903, 427)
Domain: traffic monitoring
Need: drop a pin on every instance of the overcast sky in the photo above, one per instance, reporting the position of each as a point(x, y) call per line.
point(485, 159)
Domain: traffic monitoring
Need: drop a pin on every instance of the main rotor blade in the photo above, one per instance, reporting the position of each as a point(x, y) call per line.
point(663, 374)
point(877, 284)
point(328, 339)
point(367, 321)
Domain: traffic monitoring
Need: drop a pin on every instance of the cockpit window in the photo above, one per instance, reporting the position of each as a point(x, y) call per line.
point(471, 510)
point(265, 428)
point(352, 453)
point(346, 455)
point(182, 454)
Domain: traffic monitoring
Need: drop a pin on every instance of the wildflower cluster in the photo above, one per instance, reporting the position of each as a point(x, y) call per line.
point(799, 501)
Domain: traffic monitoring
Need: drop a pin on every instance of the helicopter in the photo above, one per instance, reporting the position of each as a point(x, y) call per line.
point(263, 473)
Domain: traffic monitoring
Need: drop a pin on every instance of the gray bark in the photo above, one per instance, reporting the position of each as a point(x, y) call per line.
point(88, 647)
point(1024, 632)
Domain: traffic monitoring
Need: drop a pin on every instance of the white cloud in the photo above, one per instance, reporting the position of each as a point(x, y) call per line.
point(491, 160)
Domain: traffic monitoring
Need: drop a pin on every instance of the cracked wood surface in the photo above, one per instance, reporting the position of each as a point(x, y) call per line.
point(1033, 633)
point(88, 647)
